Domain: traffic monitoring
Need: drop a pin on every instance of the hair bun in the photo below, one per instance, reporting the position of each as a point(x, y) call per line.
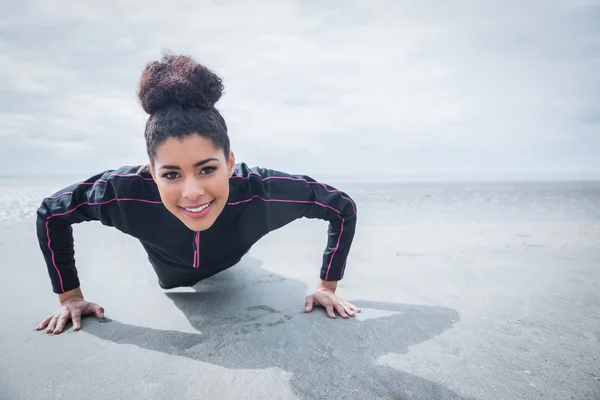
point(178, 79)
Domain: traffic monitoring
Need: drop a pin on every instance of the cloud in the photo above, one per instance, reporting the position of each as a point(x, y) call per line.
point(28, 76)
point(64, 149)
point(12, 124)
point(417, 85)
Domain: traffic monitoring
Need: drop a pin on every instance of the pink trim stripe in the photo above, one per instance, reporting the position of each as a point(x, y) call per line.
point(334, 250)
point(104, 202)
point(299, 180)
point(302, 201)
point(283, 201)
point(103, 181)
point(62, 287)
point(70, 211)
point(197, 251)
point(120, 175)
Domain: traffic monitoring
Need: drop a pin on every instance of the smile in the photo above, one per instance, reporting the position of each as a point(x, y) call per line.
point(197, 209)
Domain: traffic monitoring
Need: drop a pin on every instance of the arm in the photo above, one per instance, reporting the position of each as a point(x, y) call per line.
point(288, 197)
point(85, 201)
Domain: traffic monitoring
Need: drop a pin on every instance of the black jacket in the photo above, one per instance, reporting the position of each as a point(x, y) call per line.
point(260, 201)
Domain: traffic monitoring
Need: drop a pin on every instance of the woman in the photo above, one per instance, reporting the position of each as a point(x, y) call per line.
point(195, 211)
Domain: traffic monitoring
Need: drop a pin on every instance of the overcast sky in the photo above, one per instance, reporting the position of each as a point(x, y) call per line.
point(360, 88)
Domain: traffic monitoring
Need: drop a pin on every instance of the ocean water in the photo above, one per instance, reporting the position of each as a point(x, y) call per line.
point(20, 198)
point(400, 202)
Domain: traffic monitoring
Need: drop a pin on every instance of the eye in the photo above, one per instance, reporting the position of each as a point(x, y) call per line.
point(170, 175)
point(207, 170)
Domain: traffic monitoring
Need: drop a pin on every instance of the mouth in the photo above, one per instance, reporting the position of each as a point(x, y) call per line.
point(197, 211)
point(198, 208)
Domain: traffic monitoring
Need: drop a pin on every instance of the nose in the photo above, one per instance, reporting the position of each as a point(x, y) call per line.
point(192, 189)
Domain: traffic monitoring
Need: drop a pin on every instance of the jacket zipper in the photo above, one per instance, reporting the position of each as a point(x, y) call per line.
point(196, 247)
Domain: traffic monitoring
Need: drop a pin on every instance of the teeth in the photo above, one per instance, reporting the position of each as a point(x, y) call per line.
point(199, 208)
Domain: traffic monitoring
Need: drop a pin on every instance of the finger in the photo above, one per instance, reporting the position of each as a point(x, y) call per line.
point(340, 309)
point(99, 311)
point(44, 323)
point(329, 308)
point(76, 317)
point(52, 323)
point(348, 309)
point(62, 320)
point(351, 307)
point(308, 305)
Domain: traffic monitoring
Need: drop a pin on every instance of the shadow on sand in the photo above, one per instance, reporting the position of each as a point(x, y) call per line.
point(248, 317)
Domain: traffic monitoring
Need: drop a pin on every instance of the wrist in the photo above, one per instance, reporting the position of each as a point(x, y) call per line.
point(329, 285)
point(71, 294)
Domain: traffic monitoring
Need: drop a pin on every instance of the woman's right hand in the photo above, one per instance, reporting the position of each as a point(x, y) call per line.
point(70, 309)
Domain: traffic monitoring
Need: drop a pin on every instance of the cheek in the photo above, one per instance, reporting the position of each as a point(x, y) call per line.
point(220, 188)
point(168, 193)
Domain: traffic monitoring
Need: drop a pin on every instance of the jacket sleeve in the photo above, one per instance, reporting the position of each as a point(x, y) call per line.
point(287, 197)
point(85, 201)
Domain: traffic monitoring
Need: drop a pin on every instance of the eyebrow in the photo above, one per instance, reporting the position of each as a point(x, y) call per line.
point(198, 164)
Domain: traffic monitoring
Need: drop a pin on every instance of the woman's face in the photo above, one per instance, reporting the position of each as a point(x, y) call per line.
point(193, 179)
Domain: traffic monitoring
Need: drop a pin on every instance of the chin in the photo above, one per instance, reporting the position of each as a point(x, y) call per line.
point(200, 225)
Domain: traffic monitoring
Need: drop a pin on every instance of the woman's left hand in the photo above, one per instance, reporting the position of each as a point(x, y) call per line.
point(327, 298)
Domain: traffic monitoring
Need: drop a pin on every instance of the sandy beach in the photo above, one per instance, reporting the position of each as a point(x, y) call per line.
point(464, 299)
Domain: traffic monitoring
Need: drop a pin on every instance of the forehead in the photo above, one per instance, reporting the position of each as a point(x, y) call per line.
point(187, 150)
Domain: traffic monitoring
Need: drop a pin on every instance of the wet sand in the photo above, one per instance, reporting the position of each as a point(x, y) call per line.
point(451, 310)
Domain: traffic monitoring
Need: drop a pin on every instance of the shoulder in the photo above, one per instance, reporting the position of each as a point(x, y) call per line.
point(261, 181)
point(260, 185)
point(123, 176)
point(253, 180)
point(129, 181)
point(244, 173)
point(105, 188)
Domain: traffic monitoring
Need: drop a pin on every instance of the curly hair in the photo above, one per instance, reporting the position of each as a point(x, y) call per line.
point(180, 94)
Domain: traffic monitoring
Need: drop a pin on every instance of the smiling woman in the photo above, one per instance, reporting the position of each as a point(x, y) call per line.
point(193, 208)
point(199, 200)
